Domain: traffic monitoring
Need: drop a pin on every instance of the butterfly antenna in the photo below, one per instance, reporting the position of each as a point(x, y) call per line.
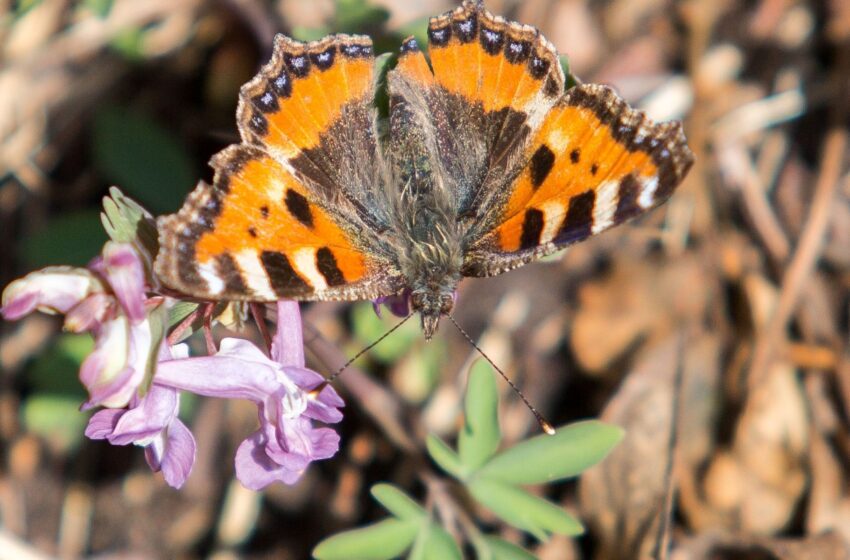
point(544, 424)
point(331, 379)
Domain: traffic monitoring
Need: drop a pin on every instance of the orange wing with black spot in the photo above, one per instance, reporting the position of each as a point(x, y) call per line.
point(489, 86)
point(593, 163)
point(287, 214)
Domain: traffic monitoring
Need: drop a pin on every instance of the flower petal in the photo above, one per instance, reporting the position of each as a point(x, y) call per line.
point(102, 423)
point(398, 304)
point(54, 289)
point(255, 470)
point(239, 370)
point(325, 443)
point(154, 413)
point(90, 313)
point(179, 454)
point(113, 372)
point(288, 344)
point(125, 273)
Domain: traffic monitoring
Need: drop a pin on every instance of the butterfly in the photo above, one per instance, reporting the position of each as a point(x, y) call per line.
point(483, 163)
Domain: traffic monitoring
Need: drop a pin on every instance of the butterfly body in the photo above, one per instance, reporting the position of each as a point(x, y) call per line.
point(487, 163)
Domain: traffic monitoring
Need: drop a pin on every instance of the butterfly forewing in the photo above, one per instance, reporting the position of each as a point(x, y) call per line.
point(593, 164)
point(288, 213)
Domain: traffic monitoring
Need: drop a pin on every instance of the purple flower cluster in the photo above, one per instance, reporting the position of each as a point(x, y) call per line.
point(137, 378)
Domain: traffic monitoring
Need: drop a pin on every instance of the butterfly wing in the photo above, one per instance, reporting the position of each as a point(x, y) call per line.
point(288, 213)
point(489, 86)
point(593, 163)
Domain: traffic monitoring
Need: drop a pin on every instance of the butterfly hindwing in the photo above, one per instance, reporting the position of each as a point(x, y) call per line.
point(594, 163)
point(288, 214)
point(257, 234)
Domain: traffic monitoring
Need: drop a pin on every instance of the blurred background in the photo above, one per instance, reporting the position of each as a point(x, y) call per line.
point(739, 287)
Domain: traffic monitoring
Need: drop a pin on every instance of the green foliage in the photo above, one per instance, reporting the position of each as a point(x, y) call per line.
point(492, 479)
point(569, 79)
point(132, 150)
point(570, 451)
point(70, 239)
point(480, 436)
point(158, 319)
point(360, 15)
point(493, 548)
point(130, 43)
point(180, 311)
point(101, 8)
point(380, 541)
point(410, 528)
point(125, 221)
point(53, 371)
point(417, 28)
point(434, 543)
point(53, 409)
point(522, 510)
point(23, 6)
point(56, 418)
point(367, 18)
point(368, 327)
point(445, 456)
point(397, 502)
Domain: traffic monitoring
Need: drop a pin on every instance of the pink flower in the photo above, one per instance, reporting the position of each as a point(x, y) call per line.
point(107, 299)
point(281, 387)
point(55, 289)
point(397, 304)
point(151, 422)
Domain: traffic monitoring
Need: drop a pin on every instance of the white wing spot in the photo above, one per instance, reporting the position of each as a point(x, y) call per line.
point(553, 215)
point(647, 194)
point(305, 263)
point(557, 141)
point(606, 205)
point(254, 273)
point(209, 274)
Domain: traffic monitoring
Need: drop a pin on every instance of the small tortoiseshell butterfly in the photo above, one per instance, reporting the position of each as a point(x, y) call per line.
point(483, 164)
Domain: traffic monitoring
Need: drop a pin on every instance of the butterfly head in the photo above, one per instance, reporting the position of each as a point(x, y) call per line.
point(431, 305)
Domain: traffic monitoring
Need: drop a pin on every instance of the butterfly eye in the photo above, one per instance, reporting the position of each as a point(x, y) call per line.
point(416, 300)
point(447, 302)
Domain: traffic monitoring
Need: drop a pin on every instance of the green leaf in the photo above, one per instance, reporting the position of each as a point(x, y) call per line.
point(126, 221)
point(522, 510)
point(545, 458)
point(56, 418)
point(368, 327)
point(180, 311)
point(480, 436)
point(569, 79)
point(380, 541)
point(133, 151)
point(383, 64)
point(130, 43)
point(359, 16)
point(503, 550)
point(55, 369)
point(307, 34)
point(157, 318)
point(418, 28)
point(23, 6)
point(445, 456)
point(397, 502)
point(73, 238)
point(434, 543)
point(101, 8)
